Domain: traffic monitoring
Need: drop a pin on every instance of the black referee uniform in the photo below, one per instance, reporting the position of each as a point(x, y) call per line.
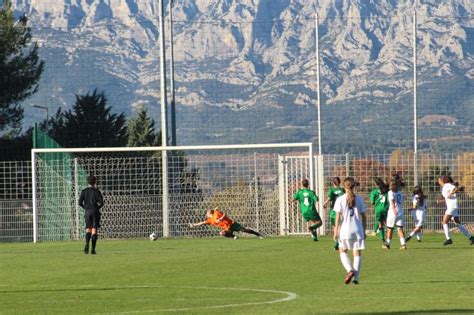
point(91, 200)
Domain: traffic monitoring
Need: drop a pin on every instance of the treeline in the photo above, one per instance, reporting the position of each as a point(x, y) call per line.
point(89, 123)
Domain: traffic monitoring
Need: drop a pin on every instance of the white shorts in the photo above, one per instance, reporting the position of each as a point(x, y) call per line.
point(452, 212)
point(352, 244)
point(393, 220)
point(418, 217)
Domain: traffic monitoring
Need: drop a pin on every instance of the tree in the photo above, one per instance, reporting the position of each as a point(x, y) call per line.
point(465, 162)
point(17, 148)
point(141, 130)
point(402, 163)
point(20, 68)
point(90, 123)
point(365, 170)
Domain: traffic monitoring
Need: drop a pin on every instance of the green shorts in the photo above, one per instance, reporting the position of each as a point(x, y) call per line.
point(332, 215)
point(313, 216)
point(380, 216)
point(235, 227)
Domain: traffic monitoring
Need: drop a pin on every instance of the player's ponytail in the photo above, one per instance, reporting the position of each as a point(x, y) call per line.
point(349, 184)
point(400, 183)
point(383, 187)
point(421, 196)
point(458, 187)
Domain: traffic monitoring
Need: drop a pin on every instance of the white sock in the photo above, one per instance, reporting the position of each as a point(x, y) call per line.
point(402, 241)
point(413, 233)
point(463, 229)
point(346, 262)
point(418, 236)
point(388, 241)
point(446, 231)
point(357, 264)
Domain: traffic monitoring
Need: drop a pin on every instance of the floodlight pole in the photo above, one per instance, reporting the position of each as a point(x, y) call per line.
point(318, 87)
point(44, 108)
point(320, 160)
point(164, 125)
point(172, 103)
point(415, 123)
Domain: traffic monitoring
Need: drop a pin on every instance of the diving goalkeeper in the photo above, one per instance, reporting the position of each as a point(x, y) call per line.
point(222, 221)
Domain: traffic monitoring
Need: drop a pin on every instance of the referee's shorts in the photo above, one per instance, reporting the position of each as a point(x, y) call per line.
point(92, 219)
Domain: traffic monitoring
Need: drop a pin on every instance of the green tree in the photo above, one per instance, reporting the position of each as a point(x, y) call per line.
point(90, 123)
point(20, 68)
point(430, 175)
point(141, 130)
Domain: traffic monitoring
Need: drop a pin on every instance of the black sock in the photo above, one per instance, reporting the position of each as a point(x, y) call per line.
point(250, 231)
point(228, 234)
point(94, 241)
point(88, 238)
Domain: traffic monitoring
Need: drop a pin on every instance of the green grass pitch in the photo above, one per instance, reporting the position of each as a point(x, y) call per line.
point(247, 276)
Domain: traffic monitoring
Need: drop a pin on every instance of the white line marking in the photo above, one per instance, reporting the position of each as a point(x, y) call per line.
point(289, 296)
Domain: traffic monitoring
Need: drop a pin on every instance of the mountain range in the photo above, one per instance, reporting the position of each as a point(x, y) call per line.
point(245, 71)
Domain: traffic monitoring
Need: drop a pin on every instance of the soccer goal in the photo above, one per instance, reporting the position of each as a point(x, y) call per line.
point(253, 184)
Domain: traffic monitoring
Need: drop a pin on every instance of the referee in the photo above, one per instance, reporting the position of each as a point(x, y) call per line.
point(91, 200)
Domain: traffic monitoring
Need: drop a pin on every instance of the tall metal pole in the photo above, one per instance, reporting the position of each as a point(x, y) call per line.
point(320, 175)
point(415, 123)
point(164, 125)
point(318, 89)
point(34, 189)
point(172, 102)
point(257, 208)
point(77, 229)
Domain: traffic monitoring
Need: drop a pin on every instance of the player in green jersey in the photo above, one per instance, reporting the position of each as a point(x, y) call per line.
point(307, 200)
point(334, 192)
point(378, 198)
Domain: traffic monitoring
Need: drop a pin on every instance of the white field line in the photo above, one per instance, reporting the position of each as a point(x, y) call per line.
point(288, 296)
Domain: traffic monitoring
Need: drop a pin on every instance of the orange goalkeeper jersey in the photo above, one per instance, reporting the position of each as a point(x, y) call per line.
point(225, 223)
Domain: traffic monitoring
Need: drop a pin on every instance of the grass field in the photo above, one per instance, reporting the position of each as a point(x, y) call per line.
point(215, 276)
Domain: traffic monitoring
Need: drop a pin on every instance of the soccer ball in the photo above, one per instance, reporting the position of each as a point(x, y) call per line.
point(153, 236)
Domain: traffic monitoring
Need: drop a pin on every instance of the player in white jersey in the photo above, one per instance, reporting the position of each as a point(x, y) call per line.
point(449, 190)
point(349, 229)
point(395, 215)
point(418, 212)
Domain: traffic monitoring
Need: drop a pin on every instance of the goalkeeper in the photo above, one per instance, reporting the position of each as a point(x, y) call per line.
point(91, 200)
point(222, 221)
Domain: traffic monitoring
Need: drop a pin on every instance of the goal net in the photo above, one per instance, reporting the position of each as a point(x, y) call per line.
point(248, 182)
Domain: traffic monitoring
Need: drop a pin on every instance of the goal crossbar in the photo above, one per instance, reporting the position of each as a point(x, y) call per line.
point(177, 148)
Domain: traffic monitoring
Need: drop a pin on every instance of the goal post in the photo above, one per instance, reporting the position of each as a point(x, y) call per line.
point(244, 181)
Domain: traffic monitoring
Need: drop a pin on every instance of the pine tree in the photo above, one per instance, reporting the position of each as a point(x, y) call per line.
point(20, 68)
point(141, 130)
point(90, 123)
